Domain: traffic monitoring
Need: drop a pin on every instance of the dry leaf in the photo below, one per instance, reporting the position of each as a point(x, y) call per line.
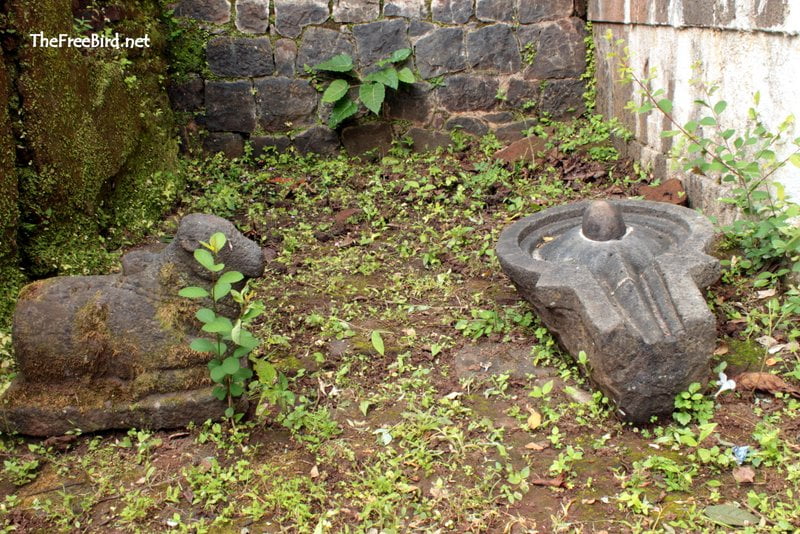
point(557, 482)
point(767, 341)
point(744, 474)
point(537, 446)
point(766, 293)
point(314, 472)
point(765, 382)
point(769, 362)
point(534, 420)
point(722, 349)
point(588, 501)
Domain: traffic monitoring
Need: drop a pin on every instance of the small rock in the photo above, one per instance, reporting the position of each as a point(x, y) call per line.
point(522, 150)
point(428, 140)
point(469, 125)
point(669, 191)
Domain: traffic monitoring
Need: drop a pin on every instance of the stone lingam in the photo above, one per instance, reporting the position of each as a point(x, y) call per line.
point(101, 352)
point(621, 281)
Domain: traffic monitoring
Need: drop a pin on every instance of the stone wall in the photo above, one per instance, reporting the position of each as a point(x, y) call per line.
point(744, 46)
point(484, 65)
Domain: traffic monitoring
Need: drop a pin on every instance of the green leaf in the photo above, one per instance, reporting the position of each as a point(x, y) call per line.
point(363, 407)
point(241, 351)
point(204, 258)
point(682, 417)
point(248, 340)
point(220, 349)
point(217, 241)
point(665, 105)
point(219, 393)
point(708, 121)
point(336, 90)
point(202, 345)
point(343, 109)
point(221, 290)
point(720, 106)
point(266, 372)
point(229, 412)
point(231, 277)
point(230, 365)
point(236, 332)
point(205, 315)
point(727, 134)
point(218, 374)
point(400, 55)
point(220, 325)
point(236, 390)
point(193, 292)
point(387, 77)
point(670, 133)
point(731, 515)
point(794, 159)
point(406, 76)
point(372, 95)
point(340, 63)
point(243, 374)
point(377, 342)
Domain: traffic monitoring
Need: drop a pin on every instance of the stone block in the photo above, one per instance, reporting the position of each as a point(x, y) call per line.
point(514, 131)
point(559, 49)
point(240, 56)
point(531, 11)
point(186, 95)
point(427, 140)
point(230, 106)
point(493, 48)
point(263, 143)
point(452, 11)
point(412, 9)
point(284, 103)
point(377, 40)
point(411, 102)
point(252, 16)
point(496, 10)
point(563, 98)
point(320, 44)
point(217, 11)
point(291, 16)
point(523, 94)
point(522, 150)
point(419, 28)
point(468, 92)
point(285, 57)
point(349, 11)
point(317, 140)
point(373, 137)
point(469, 125)
point(440, 52)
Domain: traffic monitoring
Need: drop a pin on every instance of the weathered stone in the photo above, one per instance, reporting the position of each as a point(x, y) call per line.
point(501, 117)
point(284, 100)
point(100, 352)
point(628, 297)
point(321, 44)
point(539, 10)
point(186, 95)
point(252, 16)
point(217, 11)
point(419, 28)
point(523, 94)
point(230, 106)
point(427, 140)
point(669, 191)
point(561, 98)
point(488, 359)
point(467, 92)
point(292, 15)
point(440, 52)
point(468, 125)
point(285, 57)
point(522, 150)
point(496, 10)
point(375, 137)
point(377, 40)
point(412, 9)
point(355, 10)
point(493, 48)
point(410, 102)
point(558, 46)
point(513, 132)
point(451, 11)
point(230, 144)
point(317, 140)
point(262, 144)
point(240, 56)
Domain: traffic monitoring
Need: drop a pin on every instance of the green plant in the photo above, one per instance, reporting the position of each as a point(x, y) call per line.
point(226, 366)
point(19, 471)
point(693, 405)
point(371, 87)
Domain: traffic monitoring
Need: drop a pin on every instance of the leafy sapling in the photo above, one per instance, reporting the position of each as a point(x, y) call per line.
point(371, 88)
point(227, 370)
